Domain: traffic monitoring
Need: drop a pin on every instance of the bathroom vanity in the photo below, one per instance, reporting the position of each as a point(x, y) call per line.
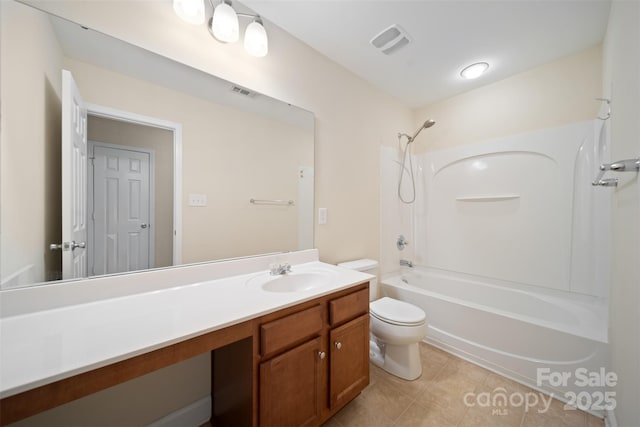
point(312, 359)
point(285, 350)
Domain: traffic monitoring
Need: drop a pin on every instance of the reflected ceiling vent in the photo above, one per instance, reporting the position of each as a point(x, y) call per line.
point(391, 39)
point(244, 92)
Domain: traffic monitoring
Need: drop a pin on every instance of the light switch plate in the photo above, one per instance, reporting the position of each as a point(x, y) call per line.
point(322, 216)
point(197, 200)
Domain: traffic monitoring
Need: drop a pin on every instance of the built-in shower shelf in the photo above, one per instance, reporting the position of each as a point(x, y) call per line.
point(498, 198)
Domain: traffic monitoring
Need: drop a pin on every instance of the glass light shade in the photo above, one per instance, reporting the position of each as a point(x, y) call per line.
point(474, 71)
point(255, 40)
point(191, 11)
point(224, 24)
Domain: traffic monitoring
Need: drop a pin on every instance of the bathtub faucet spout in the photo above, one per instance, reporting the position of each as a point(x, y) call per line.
point(406, 262)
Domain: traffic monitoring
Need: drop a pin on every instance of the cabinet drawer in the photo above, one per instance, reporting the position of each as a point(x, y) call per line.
point(287, 331)
point(349, 306)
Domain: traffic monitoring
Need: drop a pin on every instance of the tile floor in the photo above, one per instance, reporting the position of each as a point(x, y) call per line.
point(436, 399)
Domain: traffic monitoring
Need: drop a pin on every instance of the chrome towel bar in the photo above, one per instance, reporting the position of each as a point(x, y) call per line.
point(272, 202)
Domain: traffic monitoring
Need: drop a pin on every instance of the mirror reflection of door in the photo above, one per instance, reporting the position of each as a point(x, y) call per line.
point(74, 181)
point(121, 234)
point(131, 197)
point(109, 221)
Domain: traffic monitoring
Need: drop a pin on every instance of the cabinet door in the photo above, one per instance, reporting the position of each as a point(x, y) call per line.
point(349, 369)
point(291, 387)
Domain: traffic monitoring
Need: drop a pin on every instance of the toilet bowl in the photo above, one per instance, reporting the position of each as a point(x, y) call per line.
point(396, 328)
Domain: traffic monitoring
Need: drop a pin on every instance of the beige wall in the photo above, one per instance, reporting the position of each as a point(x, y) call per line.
point(622, 86)
point(160, 141)
point(30, 169)
point(550, 95)
point(227, 154)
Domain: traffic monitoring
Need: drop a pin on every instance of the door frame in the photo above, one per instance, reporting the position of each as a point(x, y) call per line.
point(91, 226)
point(176, 129)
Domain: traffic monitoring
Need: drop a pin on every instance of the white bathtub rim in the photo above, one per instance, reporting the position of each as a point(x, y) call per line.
point(595, 329)
point(588, 301)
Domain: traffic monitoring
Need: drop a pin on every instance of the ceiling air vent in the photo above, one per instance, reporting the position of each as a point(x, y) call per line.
point(244, 92)
point(391, 39)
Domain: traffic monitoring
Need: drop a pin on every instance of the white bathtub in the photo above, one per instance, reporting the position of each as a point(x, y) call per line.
point(507, 327)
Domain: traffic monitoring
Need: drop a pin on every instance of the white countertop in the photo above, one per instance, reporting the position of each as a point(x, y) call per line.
point(44, 346)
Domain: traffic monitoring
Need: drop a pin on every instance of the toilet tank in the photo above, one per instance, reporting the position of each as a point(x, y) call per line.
point(368, 266)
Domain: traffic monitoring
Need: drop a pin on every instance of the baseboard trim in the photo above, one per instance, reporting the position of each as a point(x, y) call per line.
point(193, 415)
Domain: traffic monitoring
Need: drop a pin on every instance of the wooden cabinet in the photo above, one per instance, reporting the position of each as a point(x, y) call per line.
point(349, 361)
point(315, 360)
point(307, 362)
point(291, 387)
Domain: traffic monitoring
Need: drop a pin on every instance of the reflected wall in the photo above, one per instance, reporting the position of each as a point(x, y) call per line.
point(233, 148)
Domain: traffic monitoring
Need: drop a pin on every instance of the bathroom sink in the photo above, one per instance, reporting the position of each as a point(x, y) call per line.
point(291, 282)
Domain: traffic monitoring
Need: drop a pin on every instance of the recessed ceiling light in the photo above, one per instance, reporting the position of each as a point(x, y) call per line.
point(474, 71)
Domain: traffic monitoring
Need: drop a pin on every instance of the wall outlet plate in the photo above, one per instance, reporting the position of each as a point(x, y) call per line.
point(198, 200)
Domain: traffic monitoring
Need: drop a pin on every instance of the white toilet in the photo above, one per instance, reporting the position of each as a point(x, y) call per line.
point(396, 328)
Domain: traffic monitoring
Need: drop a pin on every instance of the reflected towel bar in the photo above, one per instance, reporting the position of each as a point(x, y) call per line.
point(488, 198)
point(272, 202)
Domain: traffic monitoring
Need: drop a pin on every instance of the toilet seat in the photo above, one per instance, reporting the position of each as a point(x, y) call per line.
point(397, 312)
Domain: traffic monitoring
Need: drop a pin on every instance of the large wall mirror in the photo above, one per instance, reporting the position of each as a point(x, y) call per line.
point(182, 167)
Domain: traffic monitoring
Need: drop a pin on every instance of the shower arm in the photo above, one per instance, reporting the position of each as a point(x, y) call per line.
point(409, 139)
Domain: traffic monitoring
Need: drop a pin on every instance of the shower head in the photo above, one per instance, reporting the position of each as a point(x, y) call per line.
point(425, 125)
point(429, 123)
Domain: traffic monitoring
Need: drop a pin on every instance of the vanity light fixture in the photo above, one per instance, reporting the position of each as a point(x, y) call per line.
point(224, 25)
point(191, 11)
point(255, 39)
point(474, 71)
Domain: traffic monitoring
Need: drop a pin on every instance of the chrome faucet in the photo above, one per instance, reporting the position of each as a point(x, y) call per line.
point(279, 269)
point(406, 262)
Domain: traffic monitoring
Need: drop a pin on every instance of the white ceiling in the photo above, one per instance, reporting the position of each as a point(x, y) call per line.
point(512, 36)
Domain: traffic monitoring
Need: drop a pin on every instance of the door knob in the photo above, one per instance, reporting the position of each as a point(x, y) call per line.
point(75, 244)
point(322, 355)
point(144, 225)
point(338, 345)
point(66, 246)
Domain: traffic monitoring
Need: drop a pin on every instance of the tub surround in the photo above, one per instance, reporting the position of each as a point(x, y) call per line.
point(541, 303)
point(44, 341)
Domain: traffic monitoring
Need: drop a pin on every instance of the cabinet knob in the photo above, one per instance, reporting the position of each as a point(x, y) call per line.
point(322, 355)
point(338, 345)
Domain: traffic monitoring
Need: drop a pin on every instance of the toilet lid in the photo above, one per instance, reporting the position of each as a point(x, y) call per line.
point(397, 312)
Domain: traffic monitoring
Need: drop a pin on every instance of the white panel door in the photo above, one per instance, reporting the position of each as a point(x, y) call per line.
point(121, 200)
point(74, 180)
